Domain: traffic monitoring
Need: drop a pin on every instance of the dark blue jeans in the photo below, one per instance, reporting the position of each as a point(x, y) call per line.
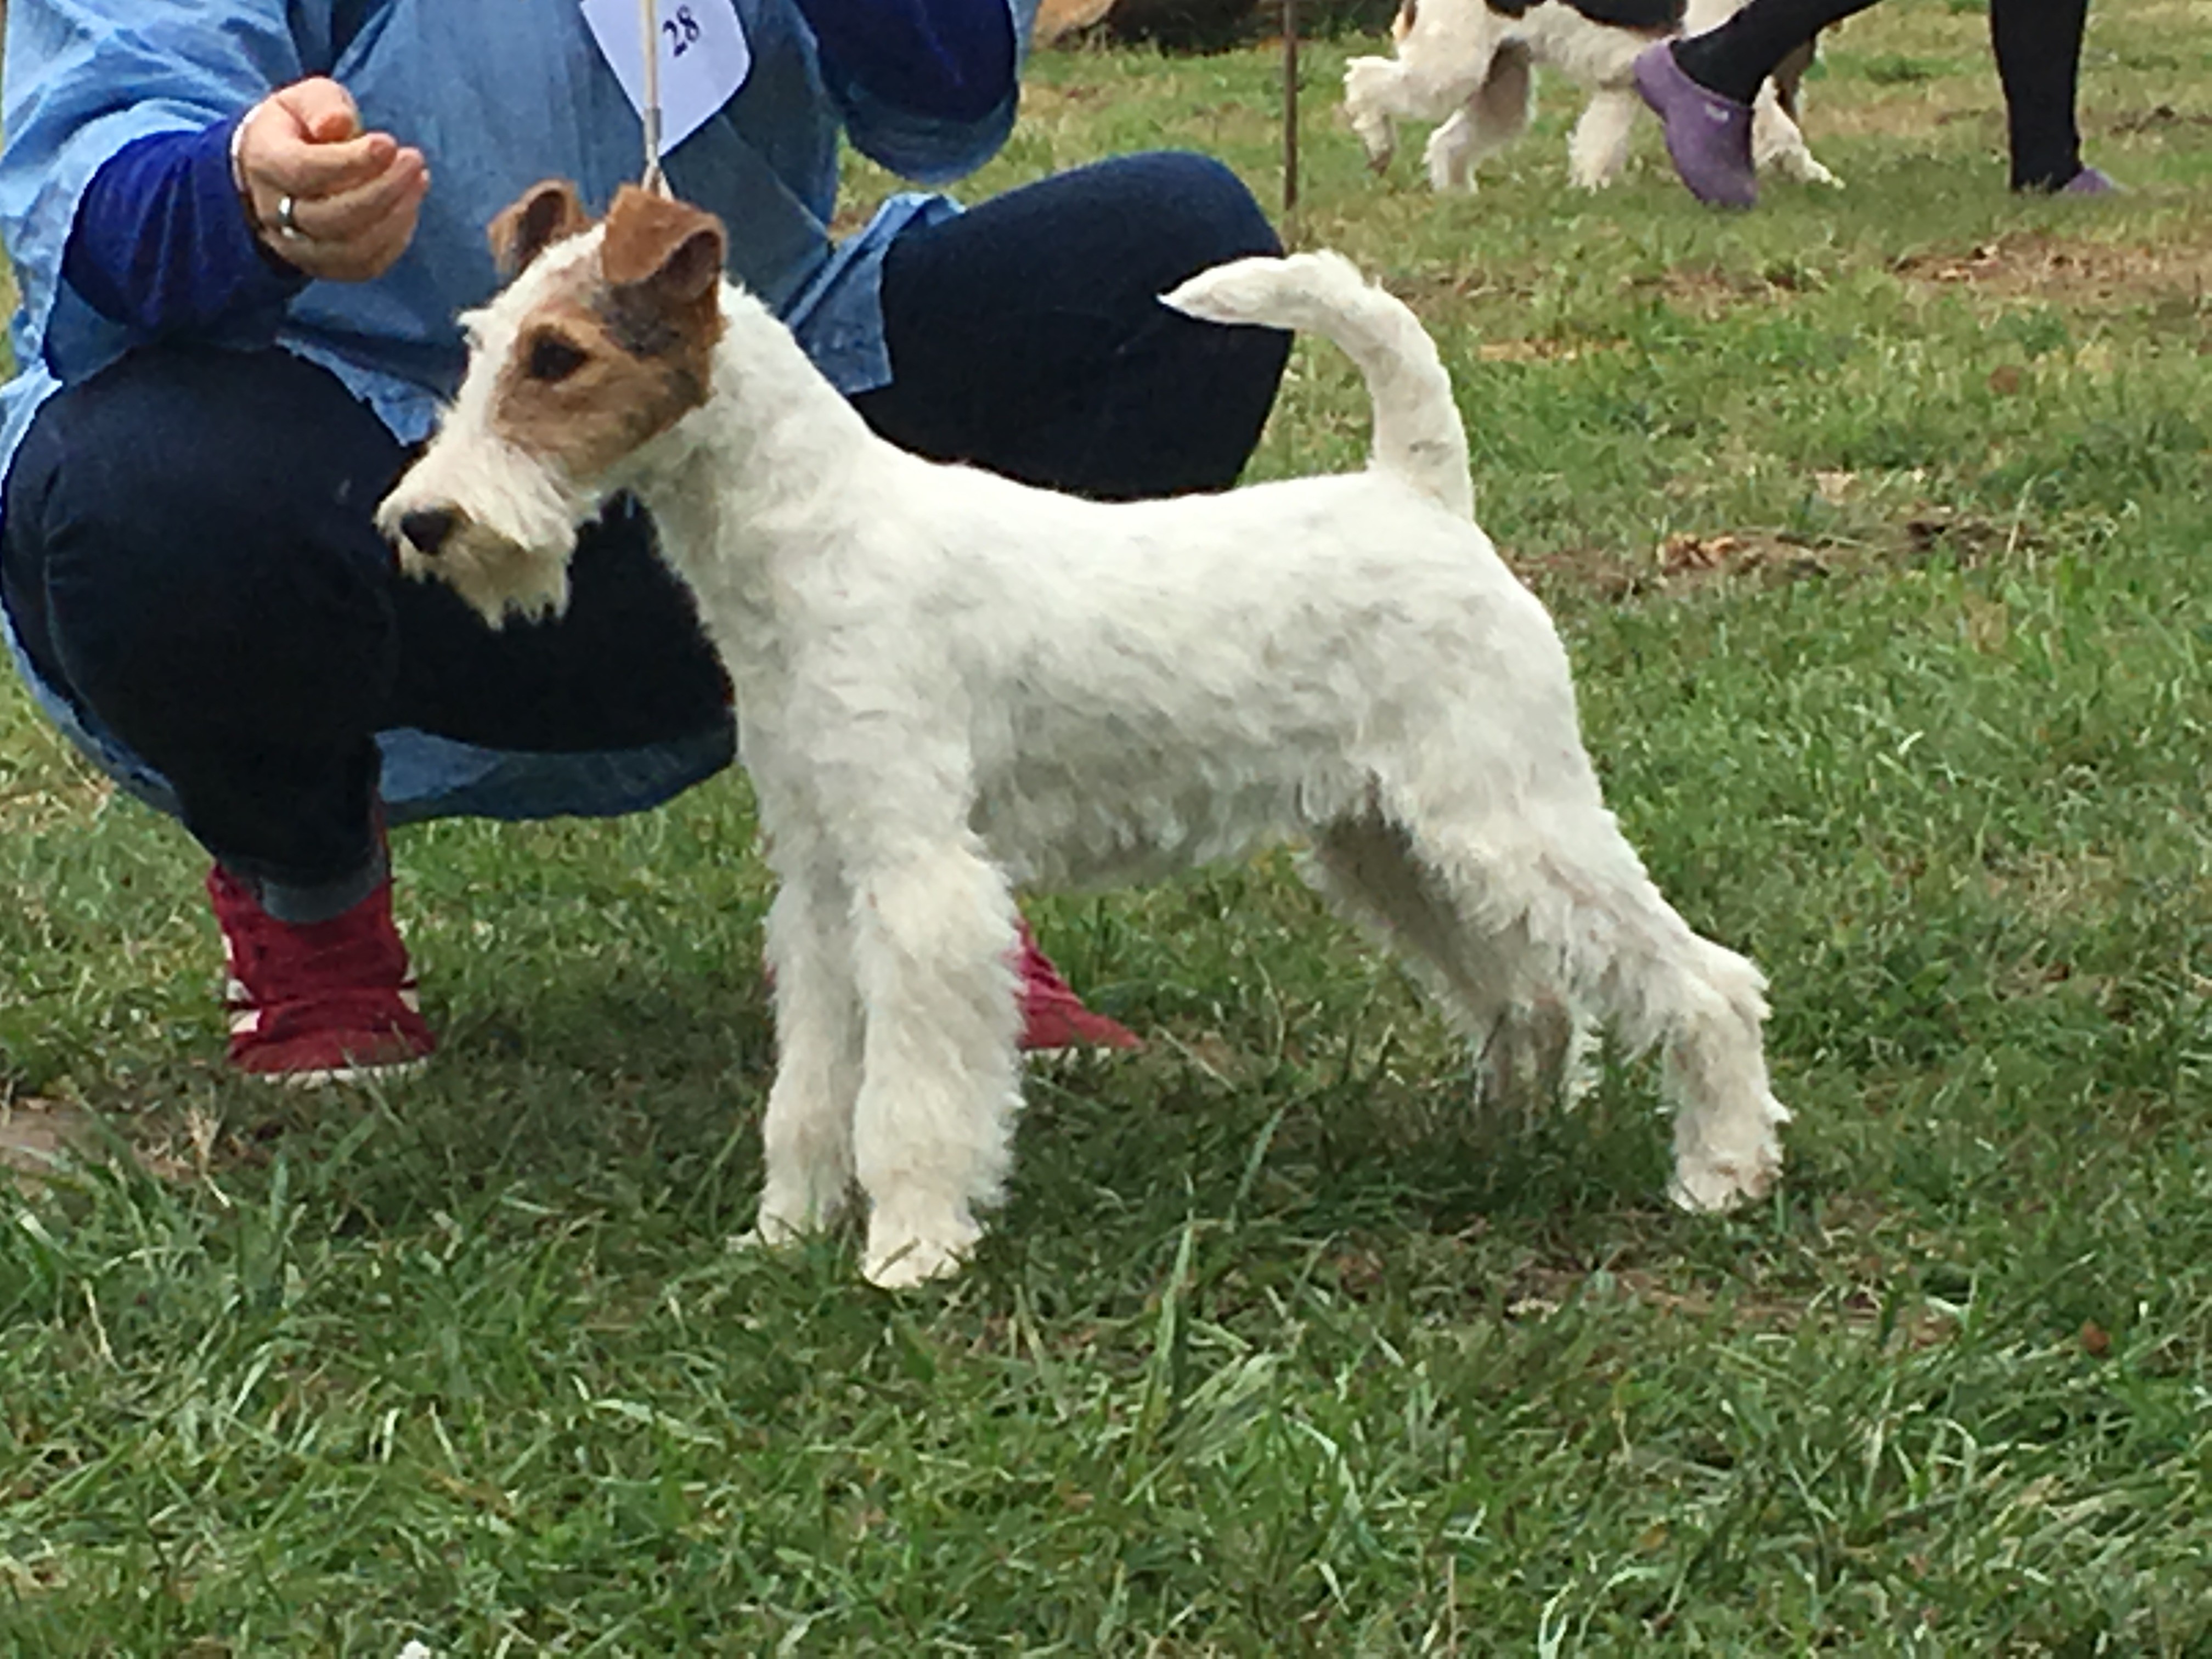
point(188, 554)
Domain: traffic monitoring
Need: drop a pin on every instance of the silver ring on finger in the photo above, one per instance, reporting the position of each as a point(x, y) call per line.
point(287, 222)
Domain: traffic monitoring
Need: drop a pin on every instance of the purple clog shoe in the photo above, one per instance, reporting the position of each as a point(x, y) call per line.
point(1708, 137)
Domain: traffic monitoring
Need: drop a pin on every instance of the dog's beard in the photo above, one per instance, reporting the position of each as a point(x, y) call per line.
point(497, 578)
point(517, 519)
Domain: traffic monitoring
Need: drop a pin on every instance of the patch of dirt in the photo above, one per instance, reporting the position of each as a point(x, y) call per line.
point(1040, 101)
point(37, 1135)
point(1685, 560)
point(1710, 292)
point(2070, 270)
point(1056, 19)
point(1539, 351)
point(2159, 118)
point(1680, 562)
point(1538, 1293)
point(1434, 296)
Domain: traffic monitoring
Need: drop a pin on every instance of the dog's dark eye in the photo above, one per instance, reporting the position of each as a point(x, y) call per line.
point(553, 357)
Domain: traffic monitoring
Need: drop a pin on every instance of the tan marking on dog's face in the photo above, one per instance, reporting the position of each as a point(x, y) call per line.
point(611, 360)
point(1402, 24)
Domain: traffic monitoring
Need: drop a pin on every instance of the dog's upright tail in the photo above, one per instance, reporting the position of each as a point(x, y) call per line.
point(1418, 432)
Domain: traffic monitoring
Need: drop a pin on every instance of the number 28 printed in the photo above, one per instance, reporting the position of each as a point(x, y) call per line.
point(681, 30)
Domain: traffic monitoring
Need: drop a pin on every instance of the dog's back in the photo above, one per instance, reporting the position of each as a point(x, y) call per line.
point(1419, 436)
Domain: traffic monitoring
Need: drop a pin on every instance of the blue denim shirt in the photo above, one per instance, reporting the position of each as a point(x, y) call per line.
point(497, 95)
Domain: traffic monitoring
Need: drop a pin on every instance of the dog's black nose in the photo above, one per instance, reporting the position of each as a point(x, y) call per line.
point(428, 529)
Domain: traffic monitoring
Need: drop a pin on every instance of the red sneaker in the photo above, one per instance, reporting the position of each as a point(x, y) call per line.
point(1054, 1019)
point(322, 1002)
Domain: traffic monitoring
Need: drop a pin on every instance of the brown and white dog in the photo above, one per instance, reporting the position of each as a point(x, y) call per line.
point(951, 684)
point(1469, 63)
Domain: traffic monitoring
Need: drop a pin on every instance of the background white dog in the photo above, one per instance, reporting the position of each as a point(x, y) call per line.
point(950, 684)
point(1469, 63)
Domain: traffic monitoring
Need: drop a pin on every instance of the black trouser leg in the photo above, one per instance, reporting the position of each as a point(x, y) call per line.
point(1027, 335)
point(189, 556)
point(182, 560)
point(2038, 51)
point(1735, 58)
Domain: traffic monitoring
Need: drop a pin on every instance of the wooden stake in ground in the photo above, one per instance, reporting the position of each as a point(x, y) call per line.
point(1290, 108)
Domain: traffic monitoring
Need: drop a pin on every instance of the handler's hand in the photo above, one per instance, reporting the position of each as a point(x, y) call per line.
point(355, 195)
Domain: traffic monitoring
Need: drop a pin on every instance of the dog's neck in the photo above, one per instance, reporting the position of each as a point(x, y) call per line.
point(775, 442)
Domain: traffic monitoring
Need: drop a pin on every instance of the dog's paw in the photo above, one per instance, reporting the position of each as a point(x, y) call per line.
point(1709, 1185)
point(1795, 162)
point(901, 1256)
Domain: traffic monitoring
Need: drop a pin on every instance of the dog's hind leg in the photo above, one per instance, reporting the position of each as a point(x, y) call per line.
point(807, 1135)
point(1497, 112)
point(1448, 154)
point(934, 939)
point(1559, 879)
point(1598, 149)
point(1525, 1035)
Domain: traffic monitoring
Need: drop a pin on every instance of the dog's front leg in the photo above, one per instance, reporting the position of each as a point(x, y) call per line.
point(935, 937)
point(807, 1136)
point(1381, 91)
point(1598, 149)
point(1777, 142)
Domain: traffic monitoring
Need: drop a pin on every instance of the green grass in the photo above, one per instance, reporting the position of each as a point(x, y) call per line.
point(1876, 523)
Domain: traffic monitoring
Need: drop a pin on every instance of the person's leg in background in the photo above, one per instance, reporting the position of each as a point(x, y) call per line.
point(178, 568)
point(1701, 90)
point(2037, 43)
point(1026, 336)
point(189, 559)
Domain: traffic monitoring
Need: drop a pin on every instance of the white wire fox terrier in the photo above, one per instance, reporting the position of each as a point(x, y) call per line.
point(951, 685)
point(1470, 63)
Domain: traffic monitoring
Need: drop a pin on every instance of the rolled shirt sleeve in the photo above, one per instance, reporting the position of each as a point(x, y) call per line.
point(78, 90)
point(162, 244)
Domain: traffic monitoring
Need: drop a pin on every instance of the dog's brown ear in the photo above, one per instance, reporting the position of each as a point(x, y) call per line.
point(546, 213)
point(668, 249)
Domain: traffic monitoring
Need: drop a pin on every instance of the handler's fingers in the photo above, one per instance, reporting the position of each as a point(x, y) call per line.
point(324, 111)
point(368, 251)
point(362, 212)
point(304, 140)
point(378, 253)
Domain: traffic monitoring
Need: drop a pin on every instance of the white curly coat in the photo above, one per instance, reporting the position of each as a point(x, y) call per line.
point(952, 686)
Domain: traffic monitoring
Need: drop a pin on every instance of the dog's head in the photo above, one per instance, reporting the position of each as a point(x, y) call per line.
point(602, 340)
